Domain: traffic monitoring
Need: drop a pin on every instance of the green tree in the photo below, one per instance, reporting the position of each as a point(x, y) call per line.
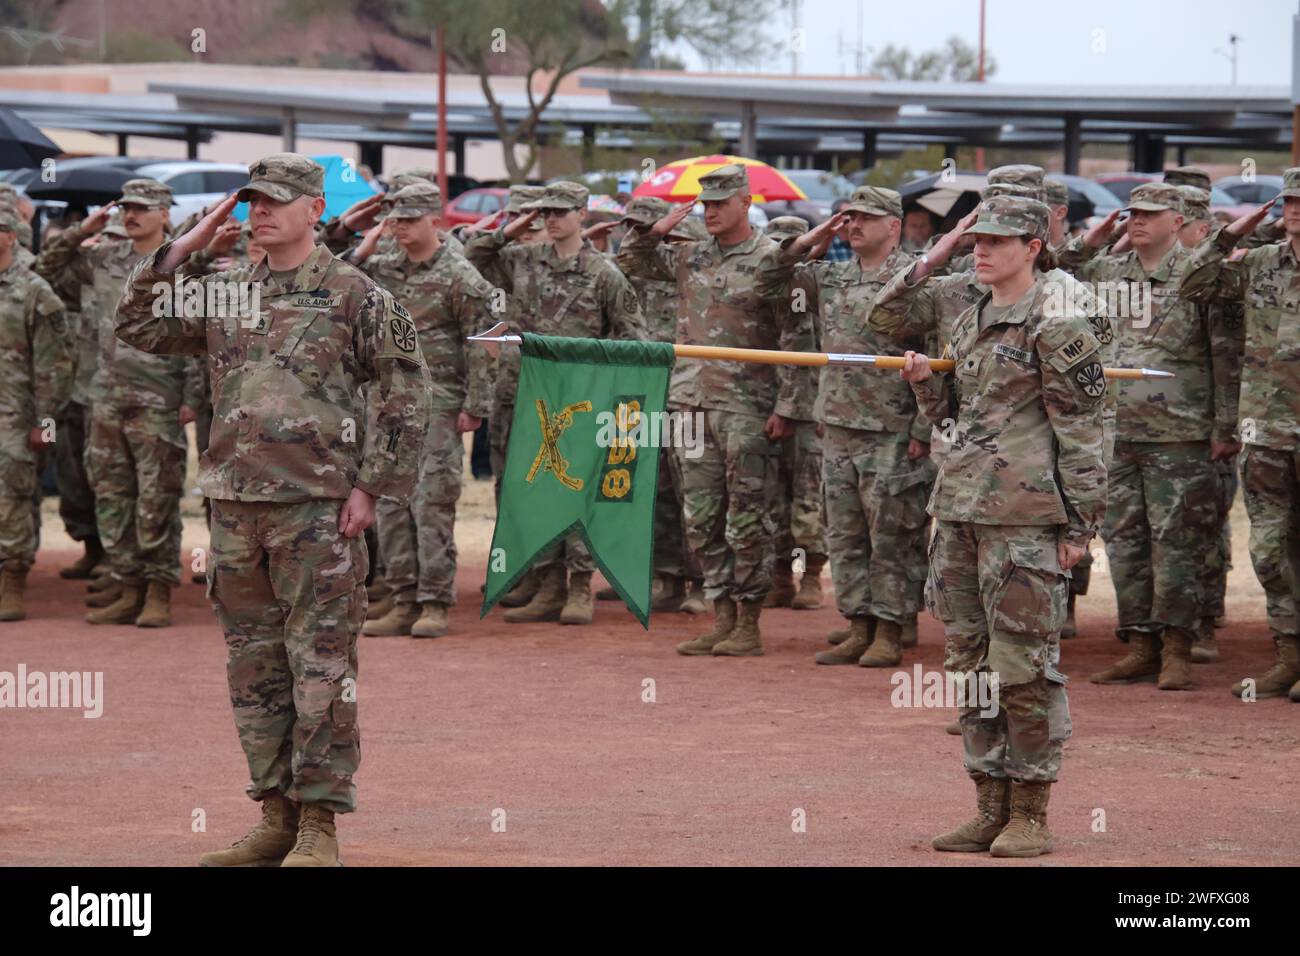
point(956, 61)
point(720, 31)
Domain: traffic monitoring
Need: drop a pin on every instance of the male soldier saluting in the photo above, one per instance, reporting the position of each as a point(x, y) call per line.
point(746, 408)
point(295, 463)
point(37, 377)
point(448, 301)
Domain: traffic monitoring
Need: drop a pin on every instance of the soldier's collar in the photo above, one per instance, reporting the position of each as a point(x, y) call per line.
point(305, 278)
point(571, 264)
point(410, 265)
point(1019, 310)
point(741, 248)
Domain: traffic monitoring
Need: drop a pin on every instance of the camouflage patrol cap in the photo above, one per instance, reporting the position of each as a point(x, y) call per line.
point(1188, 176)
point(786, 227)
point(284, 177)
point(562, 195)
point(1196, 202)
point(724, 182)
point(1055, 193)
point(1012, 189)
point(114, 225)
point(646, 209)
point(1011, 216)
point(9, 219)
point(146, 192)
point(412, 202)
point(410, 176)
point(1021, 174)
point(875, 201)
point(1155, 197)
point(1290, 183)
point(520, 195)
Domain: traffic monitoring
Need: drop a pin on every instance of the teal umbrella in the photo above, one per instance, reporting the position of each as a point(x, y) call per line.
point(343, 186)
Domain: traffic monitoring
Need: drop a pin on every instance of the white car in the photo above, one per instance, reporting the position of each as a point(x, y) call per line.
point(196, 183)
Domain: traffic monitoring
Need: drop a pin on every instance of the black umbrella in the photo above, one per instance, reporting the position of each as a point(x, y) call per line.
point(22, 145)
point(87, 186)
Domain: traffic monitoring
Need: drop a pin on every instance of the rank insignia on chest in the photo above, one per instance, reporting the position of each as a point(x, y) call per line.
point(1011, 352)
point(259, 324)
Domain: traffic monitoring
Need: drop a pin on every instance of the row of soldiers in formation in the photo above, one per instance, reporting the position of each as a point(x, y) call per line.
point(1038, 454)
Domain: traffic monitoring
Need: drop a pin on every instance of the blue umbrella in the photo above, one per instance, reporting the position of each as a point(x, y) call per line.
point(343, 186)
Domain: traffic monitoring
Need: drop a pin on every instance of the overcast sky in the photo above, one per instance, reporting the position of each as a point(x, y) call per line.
point(1102, 41)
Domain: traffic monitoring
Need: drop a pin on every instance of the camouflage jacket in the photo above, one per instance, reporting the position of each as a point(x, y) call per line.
point(1260, 293)
point(36, 351)
point(123, 376)
point(448, 300)
point(1166, 331)
point(840, 295)
point(583, 296)
point(658, 305)
point(324, 391)
point(1028, 443)
point(719, 304)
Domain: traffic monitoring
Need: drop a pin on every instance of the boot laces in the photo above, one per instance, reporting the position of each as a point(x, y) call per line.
point(309, 830)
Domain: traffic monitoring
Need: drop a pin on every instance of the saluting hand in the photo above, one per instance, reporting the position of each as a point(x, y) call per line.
point(366, 248)
point(520, 226)
point(668, 223)
point(817, 239)
point(98, 219)
point(360, 216)
point(1096, 237)
point(198, 238)
point(1247, 224)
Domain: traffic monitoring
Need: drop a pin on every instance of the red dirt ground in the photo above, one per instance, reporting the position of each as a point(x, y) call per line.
point(547, 723)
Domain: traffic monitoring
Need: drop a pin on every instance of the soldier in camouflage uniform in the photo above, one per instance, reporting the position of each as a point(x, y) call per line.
point(744, 408)
point(1162, 511)
point(801, 542)
point(1265, 280)
point(563, 287)
point(876, 469)
point(135, 453)
point(297, 459)
point(1018, 497)
point(37, 379)
point(448, 301)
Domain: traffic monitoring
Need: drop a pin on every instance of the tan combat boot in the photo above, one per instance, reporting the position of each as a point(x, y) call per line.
point(1175, 659)
point(954, 728)
point(101, 580)
point(1027, 833)
point(1205, 649)
point(105, 597)
point(724, 620)
point(909, 638)
point(1142, 660)
point(317, 844)
point(887, 649)
point(547, 602)
point(523, 591)
point(378, 609)
point(671, 595)
point(122, 611)
point(854, 646)
point(432, 622)
point(1294, 696)
point(396, 623)
point(607, 593)
point(993, 811)
point(696, 602)
point(1068, 629)
point(809, 597)
point(157, 610)
point(268, 842)
point(745, 639)
point(13, 589)
point(842, 634)
point(1277, 680)
point(782, 593)
point(577, 605)
point(87, 563)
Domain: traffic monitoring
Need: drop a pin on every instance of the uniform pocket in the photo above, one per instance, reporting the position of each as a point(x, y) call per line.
point(333, 581)
point(1028, 608)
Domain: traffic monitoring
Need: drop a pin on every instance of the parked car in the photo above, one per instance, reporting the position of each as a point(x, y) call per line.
point(821, 187)
point(473, 205)
point(1089, 200)
point(1254, 191)
point(196, 183)
point(1121, 184)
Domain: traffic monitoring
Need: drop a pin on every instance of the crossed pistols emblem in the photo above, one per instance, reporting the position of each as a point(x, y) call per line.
point(548, 456)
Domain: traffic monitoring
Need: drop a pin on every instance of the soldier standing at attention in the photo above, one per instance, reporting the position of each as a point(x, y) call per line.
point(567, 288)
point(876, 465)
point(1162, 507)
point(746, 409)
point(1018, 497)
point(37, 378)
point(1266, 278)
point(135, 453)
point(448, 300)
point(296, 461)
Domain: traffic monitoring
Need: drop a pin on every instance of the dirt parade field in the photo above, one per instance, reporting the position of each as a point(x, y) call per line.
point(543, 744)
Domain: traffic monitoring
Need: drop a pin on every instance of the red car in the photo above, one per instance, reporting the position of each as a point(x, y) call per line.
point(472, 205)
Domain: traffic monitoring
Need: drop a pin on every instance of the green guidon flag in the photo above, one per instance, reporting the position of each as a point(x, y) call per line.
point(583, 456)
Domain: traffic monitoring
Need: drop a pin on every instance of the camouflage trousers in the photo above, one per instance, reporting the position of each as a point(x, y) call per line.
point(1161, 519)
point(801, 518)
point(289, 593)
point(729, 504)
point(876, 523)
point(1000, 592)
point(1270, 483)
point(136, 461)
point(20, 468)
point(418, 539)
point(1218, 560)
point(76, 499)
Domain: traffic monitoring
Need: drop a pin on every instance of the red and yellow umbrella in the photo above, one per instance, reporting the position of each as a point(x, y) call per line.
point(680, 181)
